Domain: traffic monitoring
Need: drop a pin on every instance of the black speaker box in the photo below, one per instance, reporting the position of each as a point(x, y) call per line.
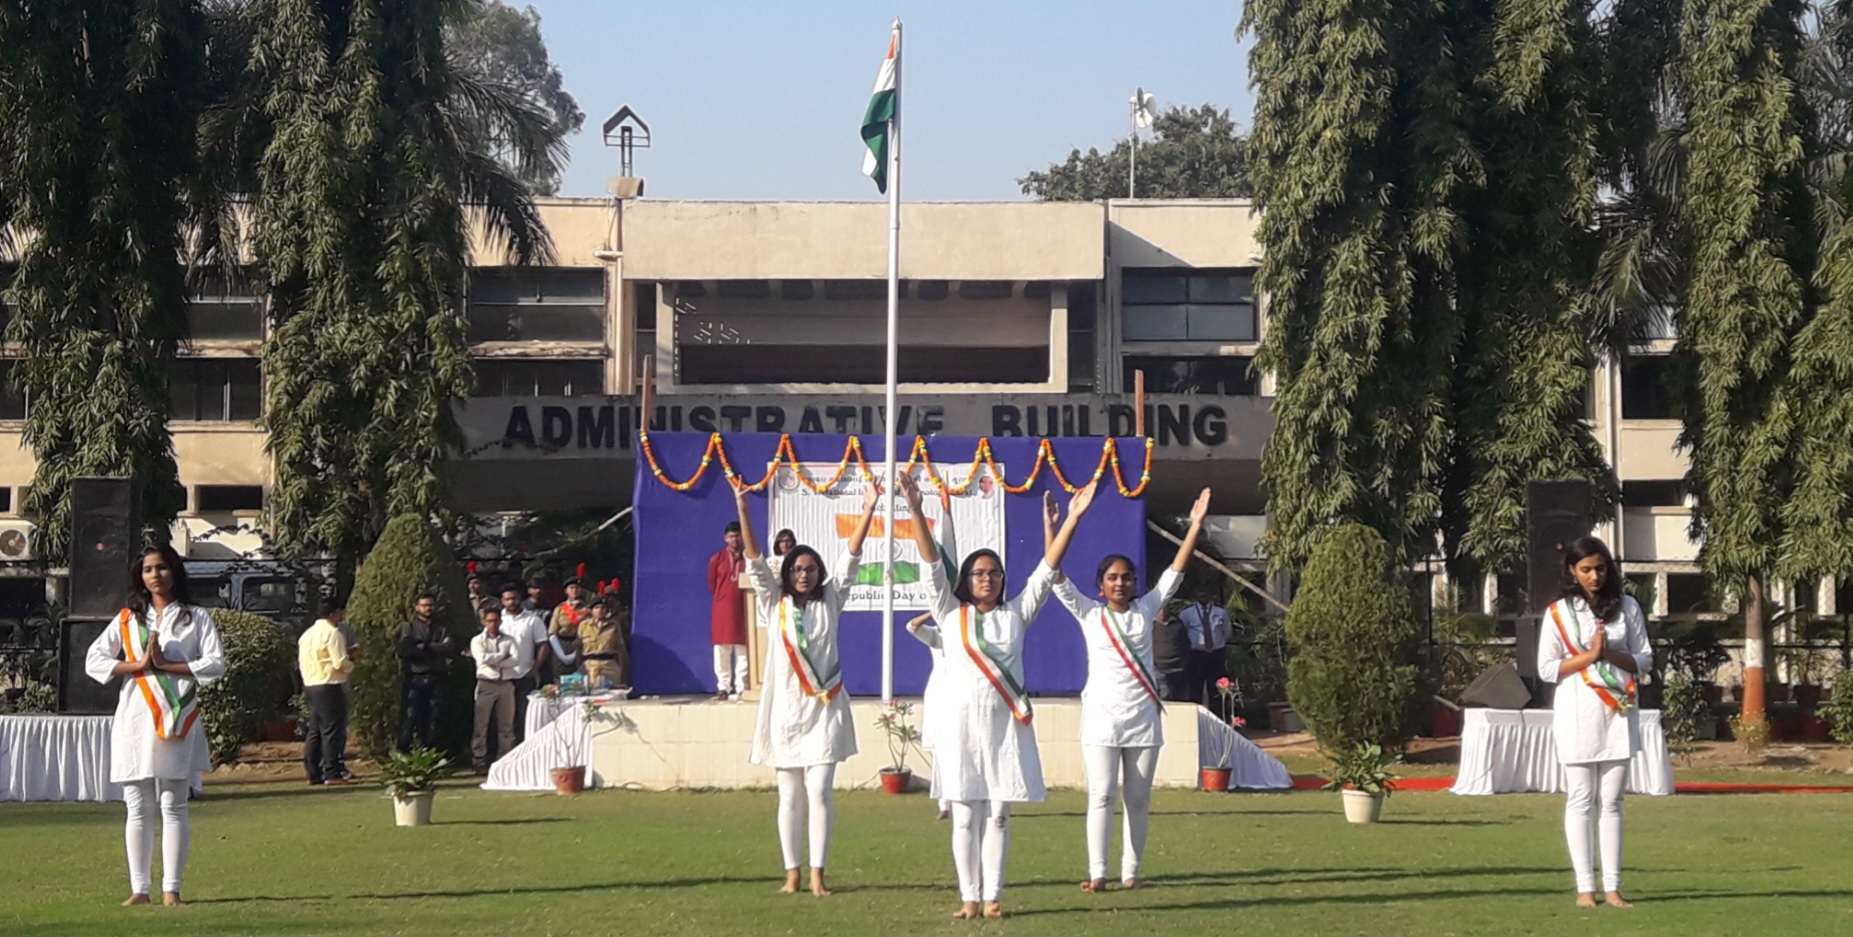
point(1497, 687)
point(77, 693)
point(1556, 514)
point(105, 525)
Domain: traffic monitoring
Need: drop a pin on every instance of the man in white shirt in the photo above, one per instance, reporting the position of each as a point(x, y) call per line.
point(1208, 624)
point(494, 653)
point(323, 660)
point(529, 632)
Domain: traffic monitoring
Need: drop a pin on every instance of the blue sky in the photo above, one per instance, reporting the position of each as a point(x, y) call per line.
point(761, 100)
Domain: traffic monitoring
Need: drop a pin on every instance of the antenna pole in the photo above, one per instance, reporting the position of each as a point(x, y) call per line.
point(1132, 162)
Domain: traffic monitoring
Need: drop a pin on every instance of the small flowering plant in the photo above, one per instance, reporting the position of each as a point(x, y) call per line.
point(1231, 693)
point(900, 733)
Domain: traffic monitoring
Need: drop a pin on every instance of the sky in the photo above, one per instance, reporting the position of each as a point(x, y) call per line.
point(763, 100)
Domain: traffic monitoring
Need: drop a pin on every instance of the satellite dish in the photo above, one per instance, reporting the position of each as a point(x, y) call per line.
point(1144, 108)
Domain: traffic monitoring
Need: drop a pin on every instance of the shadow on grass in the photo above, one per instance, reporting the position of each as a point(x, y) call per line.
point(1372, 898)
point(506, 821)
point(1331, 876)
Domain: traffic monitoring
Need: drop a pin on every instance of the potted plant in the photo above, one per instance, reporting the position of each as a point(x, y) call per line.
point(901, 735)
point(1216, 777)
point(569, 777)
point(1362, 774)
point(411, 778)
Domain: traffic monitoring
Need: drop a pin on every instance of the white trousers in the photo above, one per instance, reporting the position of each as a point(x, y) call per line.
point(730, 668)
point(803, 790)
point(1105, 767)
point(980, 846)
point(142, 798)
point(1581, 824)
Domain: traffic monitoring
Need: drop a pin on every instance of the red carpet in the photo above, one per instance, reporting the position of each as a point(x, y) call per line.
point(1308, 782)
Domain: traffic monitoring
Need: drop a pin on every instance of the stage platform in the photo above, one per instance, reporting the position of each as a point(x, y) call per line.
point(683, 742)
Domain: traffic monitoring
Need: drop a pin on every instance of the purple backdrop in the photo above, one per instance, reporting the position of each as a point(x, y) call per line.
point(678, 531)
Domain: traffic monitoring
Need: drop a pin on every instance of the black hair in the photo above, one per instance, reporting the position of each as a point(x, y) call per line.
point(1607, 601)
point(427, 595)
point(785, 534)
point(139, 597)
point(487, 610)
point(332, 607)
point(1100, 573)
point(963, 589)
point(733, 527)
point(791, 561)
point(512, 587)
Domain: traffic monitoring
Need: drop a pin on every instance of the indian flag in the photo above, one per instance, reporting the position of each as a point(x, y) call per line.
point(877, 122)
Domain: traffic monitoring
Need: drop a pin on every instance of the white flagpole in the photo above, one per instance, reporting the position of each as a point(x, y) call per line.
point(894, 309)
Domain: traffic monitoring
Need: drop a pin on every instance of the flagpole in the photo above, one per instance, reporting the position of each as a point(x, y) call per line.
point(894, 309)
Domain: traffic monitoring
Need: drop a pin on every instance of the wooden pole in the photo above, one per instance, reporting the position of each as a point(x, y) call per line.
point(1138, 403)
point(648, 392)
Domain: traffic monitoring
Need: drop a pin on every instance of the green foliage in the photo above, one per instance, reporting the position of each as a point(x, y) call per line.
point(1362, 767)
point(1464, 646)
point(408, 560)
point(1753, 736)
point(1837, 709)
point(259, 681)
point(1195, 153)
point(1353, 677)
point(503, 46)
point(900, 734)
point(1689, 649)
point(34, 697)
point(1682, 713)
point(413, 772)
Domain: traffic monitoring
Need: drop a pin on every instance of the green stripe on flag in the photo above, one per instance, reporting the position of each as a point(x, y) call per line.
point(875, 135)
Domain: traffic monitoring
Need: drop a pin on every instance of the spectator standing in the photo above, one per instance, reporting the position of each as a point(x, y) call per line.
point(424, 648)
point(529, 633)
point(322, 658)
point(727, 615)
point(1208, 624)
point(562, 654)
point(601, 644)
point(573, 611)
point(1171, 655)
point(535, 602)
point(494, 653)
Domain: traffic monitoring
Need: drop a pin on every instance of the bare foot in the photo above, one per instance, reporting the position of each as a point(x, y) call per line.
point(791, 882)
point(171, 899)
point(817, 883)
point(1585, 899)
point(135, 899)
point(1615, 900)
point(967, 911)
point(1094, 886)
point(993, 909)
point(943, 814)
point(1132, 883)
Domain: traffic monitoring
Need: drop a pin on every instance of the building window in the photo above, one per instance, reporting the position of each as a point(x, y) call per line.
point(6, 500)
point(12, 396)
point(540, 304)
point(1643, 586)
point(1167, 305)
point(529, 378)
point(1081, 324)
point(1218, 376)
point(1644, 392)
point(7, 272)
point(643, 337)
point(217, 389)
point(1653, 494)
point(226, 498)
point(1687, 594)
point(860, 364)
point(222, 309)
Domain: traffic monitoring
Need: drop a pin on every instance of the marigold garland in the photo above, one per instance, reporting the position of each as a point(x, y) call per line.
point(787, 456)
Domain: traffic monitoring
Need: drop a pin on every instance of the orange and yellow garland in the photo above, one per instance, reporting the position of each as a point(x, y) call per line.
point(785, 455)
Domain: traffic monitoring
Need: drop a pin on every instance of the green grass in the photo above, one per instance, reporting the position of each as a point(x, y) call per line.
point(284, 859)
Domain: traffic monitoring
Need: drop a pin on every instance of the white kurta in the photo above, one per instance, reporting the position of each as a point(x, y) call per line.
point(793, 729)
point(187, 636)
point(980, 750)
point(1583, 726)
point(1115, 709)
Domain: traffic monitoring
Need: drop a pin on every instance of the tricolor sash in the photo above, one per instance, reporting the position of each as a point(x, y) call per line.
point(798, 653)
point(172, 701)
point(1000, 676)
point(1116, 636)
point(1614, 692)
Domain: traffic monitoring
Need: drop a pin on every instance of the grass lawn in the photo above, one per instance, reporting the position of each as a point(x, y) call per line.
point(280, 858)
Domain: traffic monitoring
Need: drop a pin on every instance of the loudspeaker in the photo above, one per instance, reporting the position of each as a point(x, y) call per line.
point(77, 693)
point(1497, 687)
point(105, 523)
point(1556, 514)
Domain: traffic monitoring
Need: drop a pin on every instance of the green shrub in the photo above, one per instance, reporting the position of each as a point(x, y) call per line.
point(407, 560)
point(260, 678)
point(1838, 710)
point(1354, 676)
point(34, 697)
point(1682, 712)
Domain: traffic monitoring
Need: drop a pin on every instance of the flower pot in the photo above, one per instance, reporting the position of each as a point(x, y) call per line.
point(1282, 718)
point(1444, 723)
point(1362, 807)
point(1706, 728)
point(896, 782)
point(1814, 729)
point(1808, 694)
point(412, 809)
point(1779, 692)
point(1713, 693)
point(1213, 779)
point(568, 780)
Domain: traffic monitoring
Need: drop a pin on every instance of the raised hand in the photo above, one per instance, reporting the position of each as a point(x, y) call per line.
point(1083, 497)
point(1051, 512)
point(910, 490)
point(871, 495)
point(1201, 509)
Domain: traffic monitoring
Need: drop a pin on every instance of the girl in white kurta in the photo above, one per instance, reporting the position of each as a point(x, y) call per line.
point(1122, 721)
point(804, 728)
point(1591, 644)
point(984, 749)
point(163, 647)
point(932, 698)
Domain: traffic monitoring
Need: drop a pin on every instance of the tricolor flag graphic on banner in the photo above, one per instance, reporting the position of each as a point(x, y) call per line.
point(884, 101)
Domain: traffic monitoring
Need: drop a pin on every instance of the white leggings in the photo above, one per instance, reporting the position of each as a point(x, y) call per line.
point(1585, 780)
point(980, 846)
point(798, 788)
point(1104, 767)
point(138, 834)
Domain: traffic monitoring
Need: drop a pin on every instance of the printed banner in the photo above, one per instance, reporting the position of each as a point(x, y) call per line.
point(824, 522)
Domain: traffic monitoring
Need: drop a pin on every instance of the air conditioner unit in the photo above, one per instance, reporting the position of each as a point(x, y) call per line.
point(15, 541)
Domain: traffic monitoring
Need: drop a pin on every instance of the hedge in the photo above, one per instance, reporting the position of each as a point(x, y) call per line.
point(260, 678)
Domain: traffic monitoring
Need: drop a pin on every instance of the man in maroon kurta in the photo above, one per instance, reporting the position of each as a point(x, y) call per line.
point(727, 618)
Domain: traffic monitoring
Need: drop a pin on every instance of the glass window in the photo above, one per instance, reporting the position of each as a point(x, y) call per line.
point(216, 389)
point(1201, 306)
point(545, 304)
point(12, 397)
point(1653, 494)
point(225, 309)
point(1226, 377)
point(533, 378)
point(1081, 343)
point(1644, 392)
point(229, 498)
point(1687, 594)
point(267, 595)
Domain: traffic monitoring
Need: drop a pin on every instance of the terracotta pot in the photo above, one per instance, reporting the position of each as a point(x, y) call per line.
point(568, 780)
point(1779, 693)
point(1444, 723)
point(1808, 694)
point(896, 782)
point(1713, 693)
point(1213, 779)
point(1814, 729)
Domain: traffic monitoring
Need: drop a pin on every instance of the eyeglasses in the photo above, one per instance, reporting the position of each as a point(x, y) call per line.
point(988, 574)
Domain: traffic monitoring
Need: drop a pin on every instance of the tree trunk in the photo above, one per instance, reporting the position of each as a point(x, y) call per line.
point(1753, 712)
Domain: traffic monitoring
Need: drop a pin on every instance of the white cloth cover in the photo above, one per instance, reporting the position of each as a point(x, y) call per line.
point(1116, 711)
point(1250, 768)
point(557, 744)
point(1513, 750)
point(792, 729)
point(47, 757)
point(1587, 730)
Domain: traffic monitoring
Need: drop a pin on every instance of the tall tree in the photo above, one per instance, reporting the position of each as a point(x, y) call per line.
point(377, 144)
point(1194, 153)
point(99, 106)
point(503, 46)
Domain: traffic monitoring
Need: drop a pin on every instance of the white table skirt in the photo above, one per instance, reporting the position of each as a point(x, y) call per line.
point(1511, 750)
point(559, 742)
point(1250, 768)
point(47, 757)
